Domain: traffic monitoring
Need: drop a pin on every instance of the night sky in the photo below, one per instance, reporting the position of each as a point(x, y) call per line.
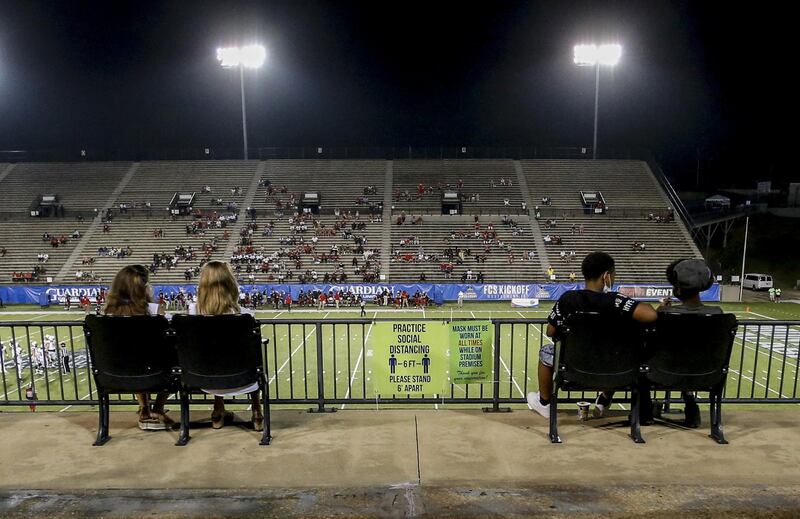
point(711, 76)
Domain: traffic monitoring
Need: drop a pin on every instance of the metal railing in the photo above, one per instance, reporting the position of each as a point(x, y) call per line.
point(322, 152)
point(325, 363)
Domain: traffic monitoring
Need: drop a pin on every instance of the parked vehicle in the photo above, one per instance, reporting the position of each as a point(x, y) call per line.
point(757, 281)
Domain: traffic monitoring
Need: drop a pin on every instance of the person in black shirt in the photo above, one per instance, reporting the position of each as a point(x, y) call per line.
point(599, 274)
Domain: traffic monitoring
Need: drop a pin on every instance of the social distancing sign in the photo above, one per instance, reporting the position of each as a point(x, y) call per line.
point(425, 357)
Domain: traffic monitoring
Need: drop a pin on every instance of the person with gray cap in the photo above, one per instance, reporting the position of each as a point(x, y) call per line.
point(689, 277)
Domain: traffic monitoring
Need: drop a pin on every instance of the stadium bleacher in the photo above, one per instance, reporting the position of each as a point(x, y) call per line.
point(340, 183)
point(629, 190)
point(157, 182)
point(477, 176)
point(80, 186)
point(22, 240)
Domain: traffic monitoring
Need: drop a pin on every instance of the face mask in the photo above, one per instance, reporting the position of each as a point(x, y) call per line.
point(606, 288)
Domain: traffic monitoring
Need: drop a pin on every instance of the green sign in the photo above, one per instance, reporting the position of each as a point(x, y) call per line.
point(408, 357)
point(471, 351)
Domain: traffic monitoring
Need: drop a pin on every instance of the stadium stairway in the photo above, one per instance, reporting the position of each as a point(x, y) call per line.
point(6, 170)
point(386, 244)
point(541, 250)
point(249, 197)
point(78, 251)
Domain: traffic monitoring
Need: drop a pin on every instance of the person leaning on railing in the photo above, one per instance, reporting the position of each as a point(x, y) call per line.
point(599, 273)
point(218, 294)
point(130, 294)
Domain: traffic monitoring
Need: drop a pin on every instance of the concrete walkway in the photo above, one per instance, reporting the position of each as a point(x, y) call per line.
point(400, 463)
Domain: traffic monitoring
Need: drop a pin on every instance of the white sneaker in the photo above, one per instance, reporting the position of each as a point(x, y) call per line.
point(599, 410)
point(535, 405)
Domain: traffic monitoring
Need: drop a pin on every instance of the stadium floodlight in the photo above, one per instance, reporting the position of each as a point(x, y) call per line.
point(593, 56)
point(249, 56)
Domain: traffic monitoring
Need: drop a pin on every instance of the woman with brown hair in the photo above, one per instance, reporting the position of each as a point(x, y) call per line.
point(218, 294)
point(130, 294)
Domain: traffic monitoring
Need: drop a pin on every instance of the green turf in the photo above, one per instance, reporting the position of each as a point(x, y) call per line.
point(761, 366)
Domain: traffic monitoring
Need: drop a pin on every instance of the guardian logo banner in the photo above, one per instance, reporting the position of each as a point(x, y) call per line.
point(30, 294)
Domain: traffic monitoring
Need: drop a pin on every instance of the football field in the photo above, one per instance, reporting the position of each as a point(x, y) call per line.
point(764, 362)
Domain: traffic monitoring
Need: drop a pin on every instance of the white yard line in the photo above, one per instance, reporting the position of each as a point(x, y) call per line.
point(513, 379)
point(764, 316)
point(313, 329)
point(760, 384)
point(358, 361)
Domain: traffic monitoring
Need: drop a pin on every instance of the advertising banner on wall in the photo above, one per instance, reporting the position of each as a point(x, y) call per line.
point(30, 294)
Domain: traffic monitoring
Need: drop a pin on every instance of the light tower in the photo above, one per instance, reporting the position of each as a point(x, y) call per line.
point(250, 56)
point(593, 56)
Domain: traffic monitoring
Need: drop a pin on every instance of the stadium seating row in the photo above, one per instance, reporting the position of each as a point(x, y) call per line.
point(490, 189)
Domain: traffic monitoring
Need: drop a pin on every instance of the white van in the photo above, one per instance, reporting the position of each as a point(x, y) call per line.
point(757, 281)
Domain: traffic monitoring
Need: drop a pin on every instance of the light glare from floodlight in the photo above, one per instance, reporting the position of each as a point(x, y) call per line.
point(250, 56)
point(590, 55)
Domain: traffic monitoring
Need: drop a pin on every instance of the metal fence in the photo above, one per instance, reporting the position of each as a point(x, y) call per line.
point(319, 152)
point(326, 364)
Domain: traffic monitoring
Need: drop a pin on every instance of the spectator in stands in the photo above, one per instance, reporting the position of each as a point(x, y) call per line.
point(218, 294)
point(688, 278)
point(572, 277)
point(130, 294)
point(599, 273)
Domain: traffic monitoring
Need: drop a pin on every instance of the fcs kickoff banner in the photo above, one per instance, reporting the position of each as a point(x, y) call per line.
point(31, 294)
point(471, 351)
point(408, 357)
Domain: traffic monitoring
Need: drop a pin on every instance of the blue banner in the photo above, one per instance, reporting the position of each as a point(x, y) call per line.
point(30, 294)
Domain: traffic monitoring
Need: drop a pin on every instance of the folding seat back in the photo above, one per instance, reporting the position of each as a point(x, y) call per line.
point(599, 352)
point(218, 352)
point(690, 352)
point(131, 353)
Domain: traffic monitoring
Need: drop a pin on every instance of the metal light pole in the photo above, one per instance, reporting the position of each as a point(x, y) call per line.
point(251, 56)
point(594, 55)
point(744, 256)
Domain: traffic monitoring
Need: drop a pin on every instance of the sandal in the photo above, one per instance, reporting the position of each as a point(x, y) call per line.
point(162, 417)
point(218, 420)
point(151, 424)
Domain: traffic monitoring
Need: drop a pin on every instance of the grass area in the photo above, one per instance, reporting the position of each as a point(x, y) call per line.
point(764, 362)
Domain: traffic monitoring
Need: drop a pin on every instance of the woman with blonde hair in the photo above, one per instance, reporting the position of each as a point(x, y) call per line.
point(218, 294)
point(130, 294)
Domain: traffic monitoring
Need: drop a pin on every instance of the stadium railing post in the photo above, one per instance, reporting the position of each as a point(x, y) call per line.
point(496, 374)
point(320, 376)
